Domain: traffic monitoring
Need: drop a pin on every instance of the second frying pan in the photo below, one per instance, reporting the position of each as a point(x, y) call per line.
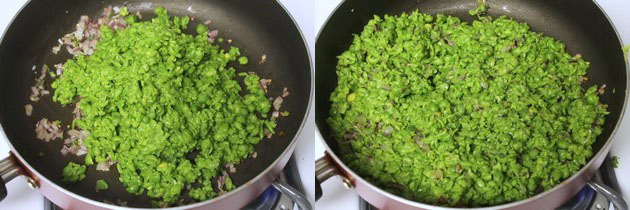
point(581, 25)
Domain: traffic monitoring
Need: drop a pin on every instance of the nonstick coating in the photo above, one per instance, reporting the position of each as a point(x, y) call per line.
point(257, 27)
point(581, 25)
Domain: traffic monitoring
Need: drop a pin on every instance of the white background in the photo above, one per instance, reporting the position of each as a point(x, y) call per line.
point(23, 198)
point(337, 197)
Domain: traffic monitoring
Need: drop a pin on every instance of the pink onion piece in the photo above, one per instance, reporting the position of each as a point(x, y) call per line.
point(221, 181)
point(74, 143)
point(285, 92)
point(602, 89)
point(104, 166)
point(213, 35)
point(263, 83)
point(87, 32)
point(277, 103)
point(275, 114)
point(47, 130)
point(230, 166)
point(28, 109)
point(59, 69)
point(37, 90)
point(76, 112)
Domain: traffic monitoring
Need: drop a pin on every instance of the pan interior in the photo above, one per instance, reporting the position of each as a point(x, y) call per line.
point(256, 27)
point(581, 25)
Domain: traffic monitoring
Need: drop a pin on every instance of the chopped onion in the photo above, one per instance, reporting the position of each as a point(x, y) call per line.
point(77, 113)
point(230, 166)
point(47, 130)
point(29, 109)
point(83, 40)
point(221, 180)
point(277, 103)
point(104, 166)
point(213, 35)
point(285, 92)
point(74, 143)
point(59, 69)
point(263, 83)
point(37, 90)
point(602, 89)
point(56, 49)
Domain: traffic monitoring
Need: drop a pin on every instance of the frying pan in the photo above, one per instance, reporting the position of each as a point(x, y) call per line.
point(581, 25)
point(257, 27)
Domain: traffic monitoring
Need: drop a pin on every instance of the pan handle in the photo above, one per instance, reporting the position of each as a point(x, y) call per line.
point(324, 169)
point(610, 194)
point(9, 169)
point(295, 195)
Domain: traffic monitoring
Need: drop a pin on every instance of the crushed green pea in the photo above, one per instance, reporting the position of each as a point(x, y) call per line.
point(73, 173)
point(455, 113)
point(101, 185)
point(124, 11)
point(615, 161)
point(151, 96)
point(243, 60)
point(480, 10)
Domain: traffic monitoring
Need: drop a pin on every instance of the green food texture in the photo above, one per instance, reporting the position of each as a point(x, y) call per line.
point(151, 95)
point(614, 161)
point(73, 173)
point(454, 113)
point(101, 185)
point(243, 60)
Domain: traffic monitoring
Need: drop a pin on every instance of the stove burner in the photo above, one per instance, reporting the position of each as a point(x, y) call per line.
point(265, 201)
point(581, 200)
point(274, 199)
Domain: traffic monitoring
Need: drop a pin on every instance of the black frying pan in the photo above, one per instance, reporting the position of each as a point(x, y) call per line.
point(580, 24)
point(257, 27)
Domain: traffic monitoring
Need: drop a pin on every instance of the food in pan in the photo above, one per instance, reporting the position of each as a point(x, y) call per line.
point(453, 113)
point(101, 185)
point(161, 106)
point(73, 172)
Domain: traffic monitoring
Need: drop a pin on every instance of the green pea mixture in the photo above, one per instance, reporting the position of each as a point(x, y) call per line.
point(453, 113)
point(73, 172)
point(101, 185)
point(165, 106)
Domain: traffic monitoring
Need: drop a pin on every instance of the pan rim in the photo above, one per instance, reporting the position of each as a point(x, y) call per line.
point(606, 147)
point(289, 149)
